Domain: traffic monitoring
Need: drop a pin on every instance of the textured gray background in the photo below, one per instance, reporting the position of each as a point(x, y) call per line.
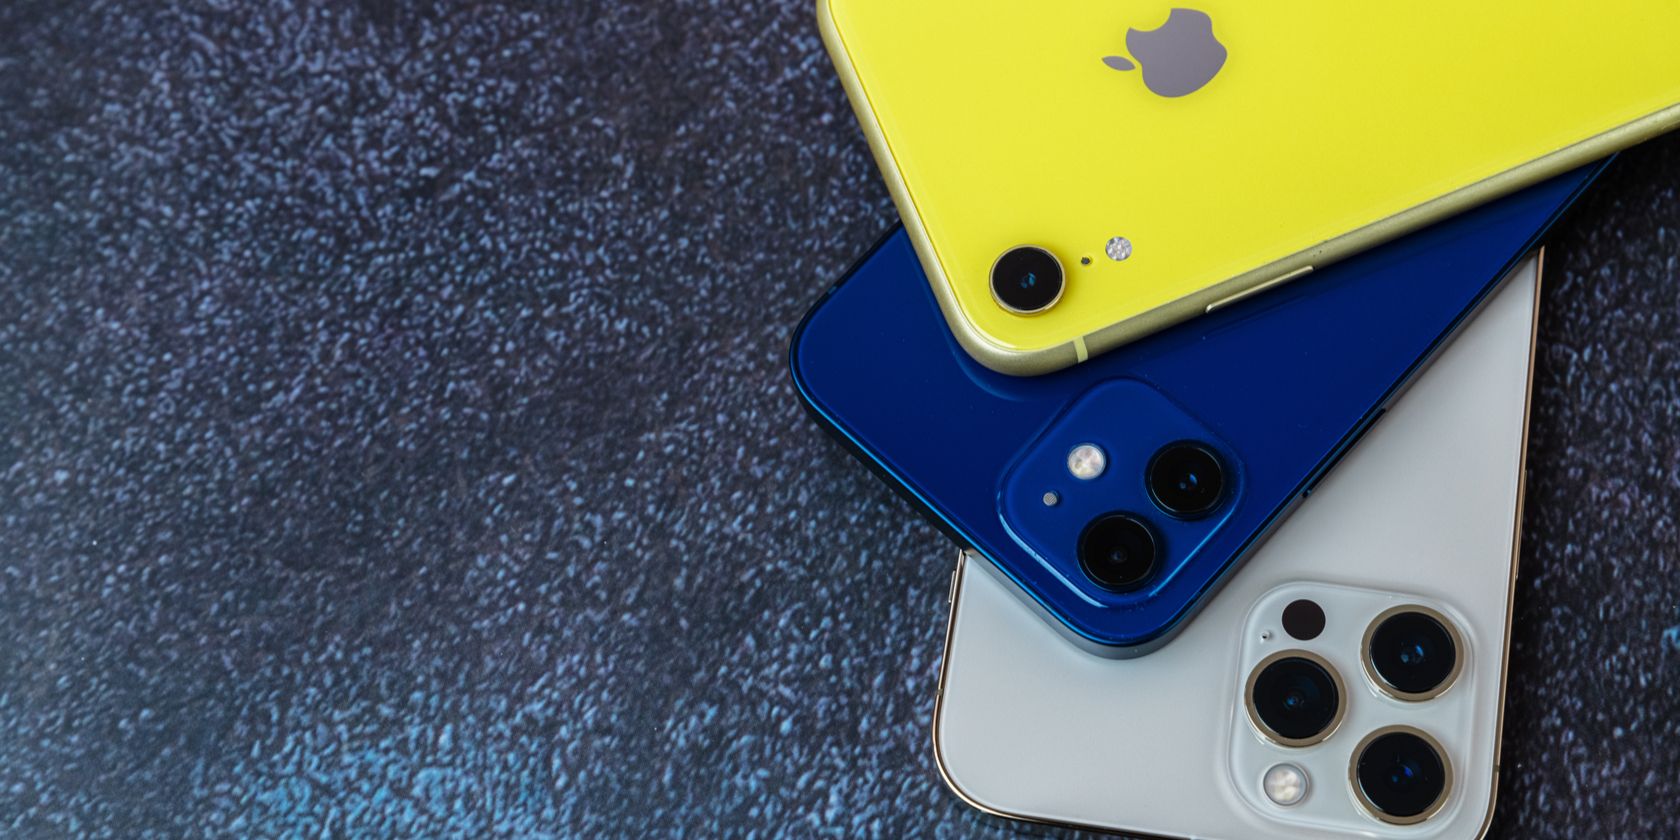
point(396, 441)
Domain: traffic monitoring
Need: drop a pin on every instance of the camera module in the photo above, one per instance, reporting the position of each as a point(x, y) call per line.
point(1295, 698)
point(1412, 653)
point(1186, 479)
point(1027, 280)
point(1117, 550)
point(1401, 775)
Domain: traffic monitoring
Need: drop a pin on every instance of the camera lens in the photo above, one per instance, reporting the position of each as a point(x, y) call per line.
point(1186, 479)
point(1400, 775)
point(1295, 698)
point(1117, 551)
point(1412, 653)
point(1027, 279)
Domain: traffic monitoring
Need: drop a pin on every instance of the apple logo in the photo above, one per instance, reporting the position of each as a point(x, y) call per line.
point(1179, 58)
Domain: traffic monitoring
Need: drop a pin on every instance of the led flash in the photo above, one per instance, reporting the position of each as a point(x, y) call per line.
point(1052, 498)
point(1285, 784)
point(1087, 461)
point(1118, 249)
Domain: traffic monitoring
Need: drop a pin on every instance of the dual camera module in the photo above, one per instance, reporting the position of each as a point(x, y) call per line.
point(1118, 550)
point(1297, 699)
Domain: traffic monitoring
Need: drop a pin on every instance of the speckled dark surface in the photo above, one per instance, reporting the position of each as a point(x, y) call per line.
point(396, 442)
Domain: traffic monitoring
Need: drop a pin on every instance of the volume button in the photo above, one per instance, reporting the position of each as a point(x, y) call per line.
point(1254, 290)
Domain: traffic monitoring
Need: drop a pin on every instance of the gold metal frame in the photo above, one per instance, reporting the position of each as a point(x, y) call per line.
point(964, 557)
point(1516, 550)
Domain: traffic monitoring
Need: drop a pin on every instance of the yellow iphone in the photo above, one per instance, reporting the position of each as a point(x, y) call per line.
point(1079, 173)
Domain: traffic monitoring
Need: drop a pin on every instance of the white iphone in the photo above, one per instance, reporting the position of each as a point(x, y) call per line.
point(1347, 682)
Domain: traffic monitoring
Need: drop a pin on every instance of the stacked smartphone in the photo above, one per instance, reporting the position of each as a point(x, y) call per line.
point(1207, 337)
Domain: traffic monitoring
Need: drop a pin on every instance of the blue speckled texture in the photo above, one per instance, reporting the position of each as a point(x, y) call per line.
point(397, 442)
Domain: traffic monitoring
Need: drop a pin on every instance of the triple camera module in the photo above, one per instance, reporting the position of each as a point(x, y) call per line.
point(1296, 698)
point(1118, 550)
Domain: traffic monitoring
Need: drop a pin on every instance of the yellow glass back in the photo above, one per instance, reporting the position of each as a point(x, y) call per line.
point(1330, 127)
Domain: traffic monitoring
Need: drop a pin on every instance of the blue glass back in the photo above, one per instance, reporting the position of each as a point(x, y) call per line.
point(1279, 385)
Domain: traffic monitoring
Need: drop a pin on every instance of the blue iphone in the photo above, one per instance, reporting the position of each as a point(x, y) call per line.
point(1119, 493)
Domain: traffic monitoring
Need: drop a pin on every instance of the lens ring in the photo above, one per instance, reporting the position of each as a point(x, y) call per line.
point(1270, 734)
point(1185, 457)
point(1118, 551)
point(1367, 654)
point(1027, 280)
point(1377, 811)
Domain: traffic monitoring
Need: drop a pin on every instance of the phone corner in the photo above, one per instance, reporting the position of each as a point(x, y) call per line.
point(1009, 361)
point(950, 776)
point(1134, 646)
point(829, 29)
point(794, 360)
point(942, 759)
point(1139, 325)
point(1486, 826)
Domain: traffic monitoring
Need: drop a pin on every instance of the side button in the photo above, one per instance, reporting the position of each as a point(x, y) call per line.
point(1254, 290)
point(951, 593)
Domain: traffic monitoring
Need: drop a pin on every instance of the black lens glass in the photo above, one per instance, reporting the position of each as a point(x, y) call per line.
point(1296, 698)
point(1303, 619)
point(1401, 774)
point(1186, 479)
point(1117, 551)
point(1027, 279)
point(1413, 652)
